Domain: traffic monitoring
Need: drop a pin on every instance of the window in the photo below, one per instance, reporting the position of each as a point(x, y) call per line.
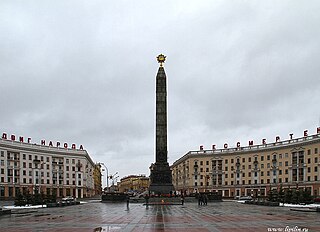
point(226, 169)
point(30, 165)
point(207, 169)
point(243, 174)
point(2, 170)
point(286, 172)
point(255, 174)
point(268, 165)
point(309, 160)
point(286, 155)
point(280, 156)
point(268, 173)
point(280, 172)
point(243, 160)
point(226, 175)
point(315, 169)
point(249, 174)
point(201, 169)
point(309, 151)
point(280, 164)
point(226, 161)
point(316, 150)
point(262, 173)
point(249, 159)
point(30, 157)
point(309, 169)
point(207, 162)
point(262, 158)
point(243, 182)
point(286, 163)
point(24, 156)
point(48, 159)
point(262, 181)
point(316, 159)
point(232, 161)
point(262, 165)
point(268, 157)
point(201, 162)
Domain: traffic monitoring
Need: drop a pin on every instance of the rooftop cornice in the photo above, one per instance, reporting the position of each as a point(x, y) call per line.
point(307, 140)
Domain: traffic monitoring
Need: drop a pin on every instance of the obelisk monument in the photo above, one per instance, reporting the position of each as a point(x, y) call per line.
point(160, 177)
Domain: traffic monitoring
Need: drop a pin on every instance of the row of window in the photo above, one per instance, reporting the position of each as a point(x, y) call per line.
point(274, 181)
point(16, 156)
point(262, 166)
point(37, 181)
point(274, 156)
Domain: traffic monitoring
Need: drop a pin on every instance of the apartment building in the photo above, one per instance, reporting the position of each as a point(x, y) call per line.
point(251, 170)
point(48, 169)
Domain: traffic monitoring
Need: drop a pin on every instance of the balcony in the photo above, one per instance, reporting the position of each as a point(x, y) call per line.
point(79, 165)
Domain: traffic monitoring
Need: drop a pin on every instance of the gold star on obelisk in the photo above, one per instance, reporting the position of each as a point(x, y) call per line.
point(161, 59)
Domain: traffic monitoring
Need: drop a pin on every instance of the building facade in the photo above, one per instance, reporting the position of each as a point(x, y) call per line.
point(97, 179)
point(252, 170)
point(135, 183)
point(27, 167)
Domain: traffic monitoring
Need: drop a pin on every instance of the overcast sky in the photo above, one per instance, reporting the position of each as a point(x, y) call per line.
point(84, 72)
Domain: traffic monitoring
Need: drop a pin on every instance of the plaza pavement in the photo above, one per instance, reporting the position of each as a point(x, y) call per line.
point(113, 217)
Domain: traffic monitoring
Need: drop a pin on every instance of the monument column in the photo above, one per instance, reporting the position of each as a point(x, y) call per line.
point(160, 177)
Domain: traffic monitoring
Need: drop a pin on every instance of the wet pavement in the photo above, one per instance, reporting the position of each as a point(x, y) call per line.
point(114, 217)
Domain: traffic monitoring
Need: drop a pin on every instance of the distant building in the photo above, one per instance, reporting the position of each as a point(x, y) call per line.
point(97, 179)
point(251, 170)
point(48, 169)
point(136, 183)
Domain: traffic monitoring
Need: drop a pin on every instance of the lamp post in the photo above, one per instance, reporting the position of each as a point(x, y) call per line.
point(107, 174)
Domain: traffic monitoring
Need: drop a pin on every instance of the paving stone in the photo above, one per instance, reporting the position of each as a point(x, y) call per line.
point(215, 217)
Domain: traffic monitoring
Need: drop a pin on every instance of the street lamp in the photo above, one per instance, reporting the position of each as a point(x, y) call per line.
point(107, 174)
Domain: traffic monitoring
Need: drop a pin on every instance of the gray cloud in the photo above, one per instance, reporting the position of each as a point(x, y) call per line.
point(84, 72)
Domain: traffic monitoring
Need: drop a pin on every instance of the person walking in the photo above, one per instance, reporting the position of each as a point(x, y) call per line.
point(128, 201)
point(182, 199)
